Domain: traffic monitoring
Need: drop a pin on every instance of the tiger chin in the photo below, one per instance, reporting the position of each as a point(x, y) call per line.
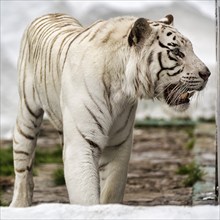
point(88, 82)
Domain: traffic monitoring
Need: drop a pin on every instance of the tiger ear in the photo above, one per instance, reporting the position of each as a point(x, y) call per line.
point(169, 19)
point(139, 31)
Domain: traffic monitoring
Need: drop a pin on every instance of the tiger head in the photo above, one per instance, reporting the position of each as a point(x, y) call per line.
point(166, 62)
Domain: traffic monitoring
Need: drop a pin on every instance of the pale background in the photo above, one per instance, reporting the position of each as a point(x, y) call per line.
point(194, 19)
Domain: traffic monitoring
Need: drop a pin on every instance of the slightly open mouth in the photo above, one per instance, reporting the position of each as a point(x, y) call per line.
point(174, 95)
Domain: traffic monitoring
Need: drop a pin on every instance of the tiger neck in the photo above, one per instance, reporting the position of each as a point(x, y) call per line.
point(126, 80)
point(136, 80)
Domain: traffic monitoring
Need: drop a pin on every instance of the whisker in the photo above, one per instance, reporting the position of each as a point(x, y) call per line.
point(180, 89)
point(177, 89)
point(162, 89)
point(180, 92)
point(198, 98)
point(172, 92)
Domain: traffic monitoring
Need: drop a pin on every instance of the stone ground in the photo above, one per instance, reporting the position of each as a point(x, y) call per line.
point(157, 154)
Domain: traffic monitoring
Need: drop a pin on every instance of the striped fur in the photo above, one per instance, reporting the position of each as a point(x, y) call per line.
point(88, 81)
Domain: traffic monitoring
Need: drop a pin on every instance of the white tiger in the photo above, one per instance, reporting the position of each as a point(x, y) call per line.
point(88, 81)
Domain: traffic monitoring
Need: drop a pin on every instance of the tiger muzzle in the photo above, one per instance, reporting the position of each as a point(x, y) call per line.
point(175, 95)
point(205, 74)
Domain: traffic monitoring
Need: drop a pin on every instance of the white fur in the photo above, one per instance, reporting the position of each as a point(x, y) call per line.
point(89, 89)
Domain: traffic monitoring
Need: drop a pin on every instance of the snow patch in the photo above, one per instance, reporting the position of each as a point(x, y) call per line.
point(66, 211)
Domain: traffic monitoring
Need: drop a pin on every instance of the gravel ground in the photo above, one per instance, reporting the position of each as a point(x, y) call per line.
point(157, 154)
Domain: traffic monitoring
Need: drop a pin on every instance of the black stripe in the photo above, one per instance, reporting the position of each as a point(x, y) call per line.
point(38, 23)
point(21, 152)
point(107, 93)
point(84, 37)
point(24, 93)
point(65, 57)
point(102, 166)
point(63, 44)
point(39, 38)
point(23, 52)
point(126, 122)
point(150, 58)
point(107, 37)
point(50, 55)
point(45, 84)
point(21, 159)
point(27, 126)
point(20, 170)
point(159, 59)
point(95, 119)
point(51, 48)
point(36, 34)
point(29, 168)
point(124, 141)
point(25, 98)
point(176, 73)
point(90, 142)
point(159, 56)
point(97, 31)
point(90, 95)
point(60, 132)
point(34, 94)
point(23, 134)
point(191, 83)
point(172, 44)
point(163, 46)
point(94, 35)
point(171, 58)
point(78, 35)
point(15, 141)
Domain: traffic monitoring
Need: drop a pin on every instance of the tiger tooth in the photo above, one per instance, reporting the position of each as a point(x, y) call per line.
point(184, 95)
point(190, 94)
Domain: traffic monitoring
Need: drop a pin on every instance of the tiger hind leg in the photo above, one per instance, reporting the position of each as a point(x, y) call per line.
point(24, 141)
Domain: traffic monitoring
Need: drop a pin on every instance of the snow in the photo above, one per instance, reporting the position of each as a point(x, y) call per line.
point(65, 211)
point(195, 19)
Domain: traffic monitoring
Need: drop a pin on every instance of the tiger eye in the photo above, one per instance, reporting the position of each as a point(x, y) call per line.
point(176, 51)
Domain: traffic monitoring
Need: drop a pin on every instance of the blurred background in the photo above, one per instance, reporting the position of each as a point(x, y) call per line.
point(194, 19)
point(173, 158)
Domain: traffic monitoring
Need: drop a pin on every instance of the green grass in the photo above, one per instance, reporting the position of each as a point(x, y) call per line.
point(193, 173)
point(42, 156)
point(48, 156)
point(190, 143)
point(166, 123)
point(209, 120)
point(6, 162)
point(58, 177)
point(191, 138)
point(2, 203)
point(190, 131)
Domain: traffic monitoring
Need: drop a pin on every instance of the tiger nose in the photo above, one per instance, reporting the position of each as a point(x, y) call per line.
point(205, 74)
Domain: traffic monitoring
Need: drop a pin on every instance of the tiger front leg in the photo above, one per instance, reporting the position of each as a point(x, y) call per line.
point(81, 155)
point(113, 172)
point(81, 171)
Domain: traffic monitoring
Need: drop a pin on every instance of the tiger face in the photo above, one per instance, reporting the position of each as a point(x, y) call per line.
point(174, 70)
